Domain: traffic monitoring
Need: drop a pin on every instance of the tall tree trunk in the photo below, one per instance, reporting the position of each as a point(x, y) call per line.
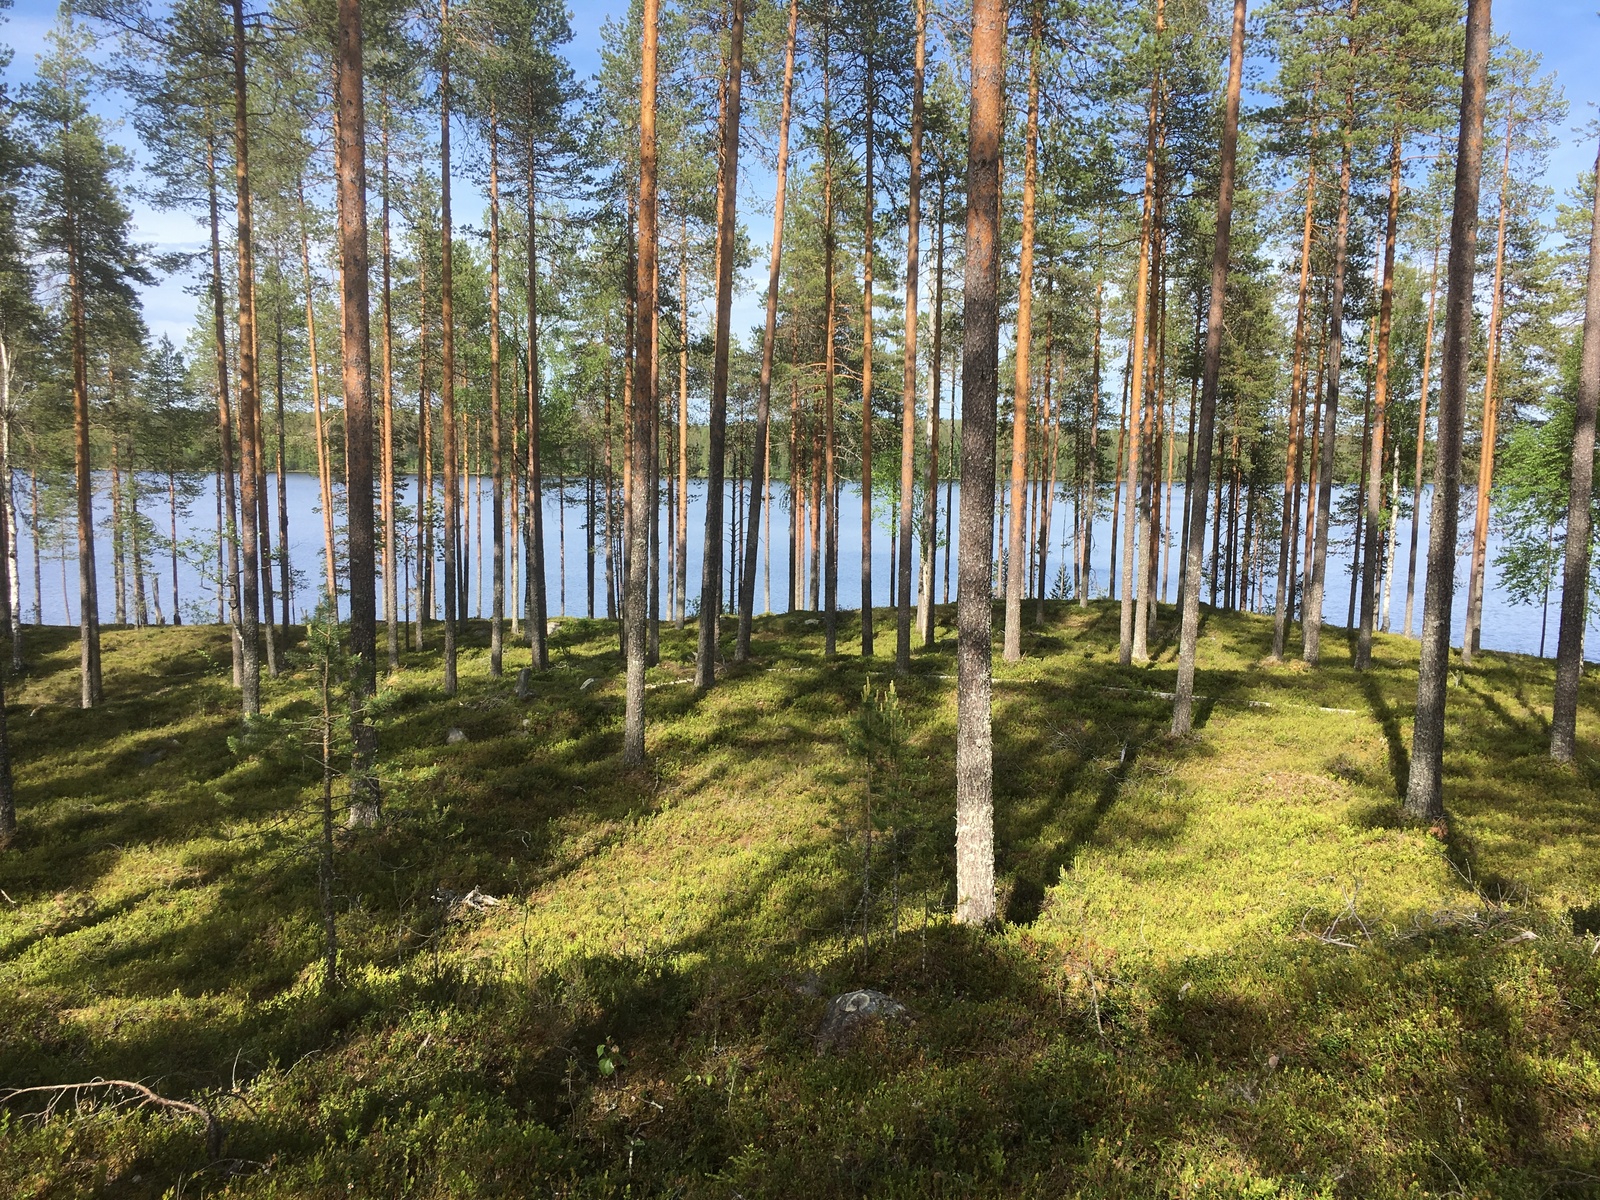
point(1380, 404)
point(324, 471)
point(717, 426)
point(8, 799)
point(908, 393)
point(644, 387)
point(681, 565)
point(1086, 545)
point(1141, 316)
point(830, 499)
point(1422, 436)
point(228, 585)
point(870, 203)
point(537, 587)
point(1116, 490)
point(391, 561)
point(1575, 564)
point(249, 406)
point(356, 345)
point(1311, 625)
point(119, 581)
point(497, 470)
point(1016, 555)
point(1472, 635)
point(1288, 543)
point(1194, 550)
point(424, 459)
point(1424, 799)
point(975, 898)
point(930, 491)
point(447, 368)
point(1049, 442)
point(769, 340)
point(285, 591)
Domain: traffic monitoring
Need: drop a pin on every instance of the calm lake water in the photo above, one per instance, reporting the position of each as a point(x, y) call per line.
point(1505, 626)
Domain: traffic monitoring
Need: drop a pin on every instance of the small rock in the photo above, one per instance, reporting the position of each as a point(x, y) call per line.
point(151, 757)
point(849, 1012)
point(524, 683)
point(457, 906)
point(455, 737)
point(552, 627)
point(586, 684)
point(812, 621)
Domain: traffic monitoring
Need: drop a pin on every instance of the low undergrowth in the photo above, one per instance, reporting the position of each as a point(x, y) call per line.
point(1225, 970)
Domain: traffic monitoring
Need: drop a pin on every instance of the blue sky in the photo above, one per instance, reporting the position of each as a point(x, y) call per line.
point(1565, 32)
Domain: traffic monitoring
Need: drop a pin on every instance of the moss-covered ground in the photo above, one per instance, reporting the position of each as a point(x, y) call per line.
point(1225, 969)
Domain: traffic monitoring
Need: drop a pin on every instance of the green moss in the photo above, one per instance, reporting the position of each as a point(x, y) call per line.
point(1227, 969)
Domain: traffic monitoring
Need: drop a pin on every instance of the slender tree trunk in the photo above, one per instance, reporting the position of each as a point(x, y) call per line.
point(119, 581)
point(324, 471)
point(227, 546)
point(1380, 404)
point(1288, 543)
point(1141, 305)
point(644, 386)
point(447, 369)
point(1016, 555)
point(285, 589)
point(1394, 534)
point(830, 499)
point(930, 491)
point(1575, 563)
point(1472, 635)
point(249, 403)
point(1116, 492)
point(424, 459)
point(908, 397)
point(538, 590)
point(1424, 799)
point(172, 517)
point(1090, 489)
point(1422, 437)
point(1194, 550)
point(681, 566)
point(497, 468)
point(870, 202)
point(769, 343)
point(1311, 625)
point(391, 561)
point(356, 346)
point(8, 799)
point(975, 898)
point(1049, 441)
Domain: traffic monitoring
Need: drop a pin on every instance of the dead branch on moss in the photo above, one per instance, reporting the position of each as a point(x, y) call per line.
point(142, 1096)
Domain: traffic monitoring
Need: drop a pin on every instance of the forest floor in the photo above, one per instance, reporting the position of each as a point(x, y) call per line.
point(1225, 968)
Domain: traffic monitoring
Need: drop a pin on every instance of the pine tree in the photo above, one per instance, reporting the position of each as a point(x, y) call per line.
point(81, 224)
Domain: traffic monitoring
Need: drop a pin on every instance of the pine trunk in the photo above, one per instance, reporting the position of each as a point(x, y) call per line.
point(769, 345)
point(975, 896)
point(1575, 564)
point(1424, 799)
point(1472, 635)
point(644, 389)
point(727, 205)
point(1380, 406)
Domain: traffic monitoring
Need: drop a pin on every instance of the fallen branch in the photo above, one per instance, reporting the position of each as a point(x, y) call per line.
point(144, 1095)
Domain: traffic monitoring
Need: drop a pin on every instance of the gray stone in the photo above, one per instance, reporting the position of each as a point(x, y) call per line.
point(524, 683)
point(455, 737)
point(849, 1012)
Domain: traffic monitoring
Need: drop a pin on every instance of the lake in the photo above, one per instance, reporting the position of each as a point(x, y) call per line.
point(1505, 626)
